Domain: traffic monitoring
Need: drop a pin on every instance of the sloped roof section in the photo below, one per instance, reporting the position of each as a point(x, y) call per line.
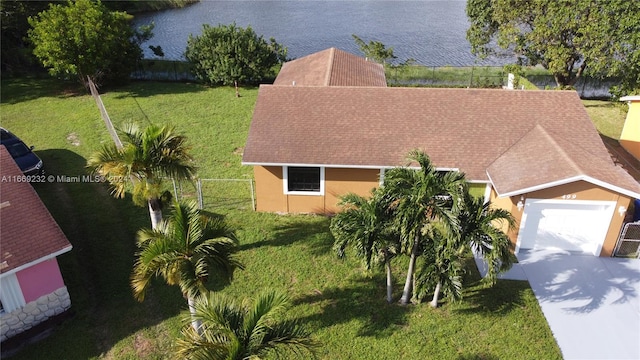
point(514, 132)
point(331, 67)
point(28, 232)
point(541, 160)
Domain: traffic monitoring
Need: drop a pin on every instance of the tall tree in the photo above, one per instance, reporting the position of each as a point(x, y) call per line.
point(565, 37)
point(148, 156)
point(227, 53)
point(419, 199)
point(364, 224)
point(375, 50)
point(15, 53)
point(233, 330)
point(185, 250)
point(83, 38)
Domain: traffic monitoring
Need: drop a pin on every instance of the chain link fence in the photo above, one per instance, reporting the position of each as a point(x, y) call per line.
point(409, 75)
point(447, 76)
point(218, 194)
point(163, 70)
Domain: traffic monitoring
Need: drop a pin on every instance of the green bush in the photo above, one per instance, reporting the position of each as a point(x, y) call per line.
point(228, 53)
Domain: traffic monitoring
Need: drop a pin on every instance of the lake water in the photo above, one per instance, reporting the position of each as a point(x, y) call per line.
point(431, 32)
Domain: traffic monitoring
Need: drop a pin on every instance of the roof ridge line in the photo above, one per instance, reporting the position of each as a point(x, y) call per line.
point(550, 138)
point(332, 57)
point(562, 151)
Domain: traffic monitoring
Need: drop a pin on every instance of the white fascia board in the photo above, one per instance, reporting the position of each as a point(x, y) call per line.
point(37, 261)
point(630, 98)
point(540, 187)
point(588, 179)
point(318, 165)
point(479, 181)
point(337, 166)
point(606, 185)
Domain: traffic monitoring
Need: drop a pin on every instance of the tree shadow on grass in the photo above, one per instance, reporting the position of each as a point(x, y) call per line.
point(500, 298)
point(361, 300)
point(96, 271)
point(142, 89)
point(314, 234)
point(18, 89)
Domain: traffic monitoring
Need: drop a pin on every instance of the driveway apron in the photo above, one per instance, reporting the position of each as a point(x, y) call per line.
point(592, 304)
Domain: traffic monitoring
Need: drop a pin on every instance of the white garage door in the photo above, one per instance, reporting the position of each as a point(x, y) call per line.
point(571, 225)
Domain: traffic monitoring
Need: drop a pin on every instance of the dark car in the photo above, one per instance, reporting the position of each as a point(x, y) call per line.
point(27, 161)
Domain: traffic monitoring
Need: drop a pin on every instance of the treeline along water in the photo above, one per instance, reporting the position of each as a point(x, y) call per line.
point(431, 32)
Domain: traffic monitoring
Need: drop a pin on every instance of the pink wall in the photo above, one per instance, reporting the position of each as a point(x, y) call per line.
point(41, 279)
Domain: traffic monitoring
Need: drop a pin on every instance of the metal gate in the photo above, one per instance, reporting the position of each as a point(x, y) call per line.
point(629, 242)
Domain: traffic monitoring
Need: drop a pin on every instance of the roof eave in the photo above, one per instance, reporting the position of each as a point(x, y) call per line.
point(565, 181)
point(630, 98)
point(64, 250)
point(338, 166)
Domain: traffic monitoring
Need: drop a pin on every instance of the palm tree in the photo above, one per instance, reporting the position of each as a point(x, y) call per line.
point(147, 156)
point(364, 225)
point(185, 249)
point(442, 268)
point(232, 330)
point(479, 230)
point(419, 198)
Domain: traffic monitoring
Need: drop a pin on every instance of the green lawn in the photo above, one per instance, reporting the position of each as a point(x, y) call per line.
point(607, 116)
point(342, 305)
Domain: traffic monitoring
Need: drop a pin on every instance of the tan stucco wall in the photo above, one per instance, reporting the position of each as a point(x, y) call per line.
point(580, 190)
point(630, 136)
point(270, 196)
point(509, 204)
point(339, 182)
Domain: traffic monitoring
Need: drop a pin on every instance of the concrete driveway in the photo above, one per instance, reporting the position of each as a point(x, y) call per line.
point(592, 304)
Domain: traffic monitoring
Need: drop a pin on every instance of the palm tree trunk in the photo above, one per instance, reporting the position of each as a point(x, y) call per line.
point(389, 282)
point(406, 292)
point(196, 324)
point(436, 294)
point(155, 212)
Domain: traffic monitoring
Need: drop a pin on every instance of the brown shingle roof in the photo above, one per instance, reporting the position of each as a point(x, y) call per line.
point(541, 159)
point(467, 129)
point(331, 67)
point(28, 232)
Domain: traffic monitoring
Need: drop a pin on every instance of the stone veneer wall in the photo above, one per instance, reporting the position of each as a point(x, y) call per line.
point(34, 313)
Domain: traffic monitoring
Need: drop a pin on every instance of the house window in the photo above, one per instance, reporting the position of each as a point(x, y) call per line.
point(303, 180)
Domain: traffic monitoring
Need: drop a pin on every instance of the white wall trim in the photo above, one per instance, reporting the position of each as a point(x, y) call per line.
point(11, 293)
point(487, 193)
point(285, 183)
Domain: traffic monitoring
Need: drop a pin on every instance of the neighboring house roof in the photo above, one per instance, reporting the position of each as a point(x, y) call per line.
point(517, 139)
point(28, 232)
point(331, 67)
